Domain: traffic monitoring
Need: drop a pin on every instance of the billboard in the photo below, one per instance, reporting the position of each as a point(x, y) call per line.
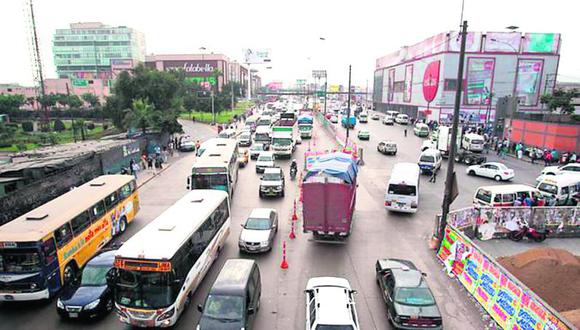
point(431, 80)
point(479, 80)
point(472, 42)
point(256, 56)
point(192, 68)
point(507, 42)
point(541, 42)
point(408, 83)
point(529, 76)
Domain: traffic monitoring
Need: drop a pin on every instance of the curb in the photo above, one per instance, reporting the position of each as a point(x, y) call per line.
point(154, 175)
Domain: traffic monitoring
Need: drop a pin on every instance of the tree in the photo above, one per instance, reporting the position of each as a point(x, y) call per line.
point(91, 99)
point(58, 126)
point(140, 115)
point(7, 132)
point(10, 102)
point(560, 99)
point(48, 100)
point(74, 101)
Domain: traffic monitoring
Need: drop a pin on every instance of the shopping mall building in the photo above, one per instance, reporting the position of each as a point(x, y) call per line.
point(421, 80)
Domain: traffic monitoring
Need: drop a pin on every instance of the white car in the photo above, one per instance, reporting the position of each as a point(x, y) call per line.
point(402, 119)
point(330, 304)
point(496, 171)
point(259, 231)
point(553, 170)
point(265, 160)
point(375, 116)
point(388, 120)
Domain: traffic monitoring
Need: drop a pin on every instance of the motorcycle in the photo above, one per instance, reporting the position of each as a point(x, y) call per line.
point(293, 171)
point(531, 233)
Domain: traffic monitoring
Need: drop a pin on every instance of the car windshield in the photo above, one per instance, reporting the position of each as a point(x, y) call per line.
point(257, 224)
point(265, 158)
point(144, 289)
point(414, 297)
point(549, 188)
point(224, 307)
point(95, 275)
point(402, 189)
point(271, 177)
point(257, 147)
point(262, 137)
point(245, 137)
point(19, 260)
point(476, 141)
point(427, 159)
point(334, 327)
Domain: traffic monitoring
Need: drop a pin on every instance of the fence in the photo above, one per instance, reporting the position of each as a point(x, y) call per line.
point(564, 221)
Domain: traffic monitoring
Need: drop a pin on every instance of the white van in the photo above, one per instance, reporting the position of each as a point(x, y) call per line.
point(430, 161)
point(473, 142)
point(264, 121)
point(402, 119)
point(421, 130)
point(503, 195)
point(402, 194)
point(563, 187)
point(363, 117)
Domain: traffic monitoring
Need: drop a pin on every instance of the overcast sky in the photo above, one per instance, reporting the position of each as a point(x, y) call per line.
point(356, 32)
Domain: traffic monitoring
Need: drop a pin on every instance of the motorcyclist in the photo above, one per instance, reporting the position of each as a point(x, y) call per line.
point(293, 167)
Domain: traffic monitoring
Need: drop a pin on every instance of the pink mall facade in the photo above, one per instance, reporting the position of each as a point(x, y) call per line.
point(421, 80)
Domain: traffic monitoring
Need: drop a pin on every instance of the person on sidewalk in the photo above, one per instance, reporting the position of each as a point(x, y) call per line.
point(405, 132)
point(150, 164)
point(533, 155)
point(433, 177)
point(548, 159)
point(520, 150)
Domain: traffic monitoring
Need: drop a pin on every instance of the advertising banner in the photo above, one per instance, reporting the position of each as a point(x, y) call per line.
point(541, 42)
point(431, 81)
point(508, 303)
point(192, 68)
point(391, 81)
point(408, 83)
point(528, 81)
point(256, 56)
point(334, 88)
point(508, 42)
point(472, 42)
point(479, 80)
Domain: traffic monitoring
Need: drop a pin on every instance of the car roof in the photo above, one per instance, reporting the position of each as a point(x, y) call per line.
point(332, 298)
point(106, 258)
point(273, 170)
point(495, 163)
point(266, 153)
point(233, 277)
point(404, 271)
point(261, 213)
point(430, 152)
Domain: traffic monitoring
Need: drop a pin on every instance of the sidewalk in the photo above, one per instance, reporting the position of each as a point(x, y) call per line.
point(145, 175)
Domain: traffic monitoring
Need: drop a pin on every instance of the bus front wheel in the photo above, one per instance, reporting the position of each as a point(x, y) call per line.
point(122, 225)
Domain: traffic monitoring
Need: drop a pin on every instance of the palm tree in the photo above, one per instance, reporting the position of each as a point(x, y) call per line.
point(140, 115)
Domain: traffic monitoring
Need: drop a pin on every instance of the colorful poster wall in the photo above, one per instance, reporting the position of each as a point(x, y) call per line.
point(509, 304)
point(408, 83)
point(528, 81)
point(507, 42)
point(541, 42)
point(479, 80)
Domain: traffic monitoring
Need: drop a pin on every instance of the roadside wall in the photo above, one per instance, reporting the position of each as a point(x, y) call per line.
point(508, 301)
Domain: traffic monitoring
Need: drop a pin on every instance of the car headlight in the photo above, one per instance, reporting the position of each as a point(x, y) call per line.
point(264, 243)
point(92, 305)
point(278, 188)
point(59, 304)
point(33, 286)
point(166, 315)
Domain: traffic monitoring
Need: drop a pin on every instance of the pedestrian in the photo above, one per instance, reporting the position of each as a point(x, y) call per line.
point(150, 163)
point(143, 161)
point(405, 132)
point(573, 157)
point(433, 177)
point(520, 150)
point(533, 155)
point(499, 146)
point(554, 155)
point(132, 167)
point(548, 158)
point(135, 168)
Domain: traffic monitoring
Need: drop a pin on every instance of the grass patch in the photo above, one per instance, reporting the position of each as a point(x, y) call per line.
point(223, 117)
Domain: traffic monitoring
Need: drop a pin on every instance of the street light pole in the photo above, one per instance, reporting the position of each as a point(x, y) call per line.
point(348, 108)
point(450, 179)
point(325, 90)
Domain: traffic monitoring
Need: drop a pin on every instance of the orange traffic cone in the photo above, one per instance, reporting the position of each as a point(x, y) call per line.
point(284, 264)
point(294, 215)
point(292, 233)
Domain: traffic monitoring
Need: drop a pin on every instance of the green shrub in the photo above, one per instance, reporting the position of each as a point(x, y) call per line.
point(105, 127)
point(59, 126)
point(27, 126)
point(90, 125)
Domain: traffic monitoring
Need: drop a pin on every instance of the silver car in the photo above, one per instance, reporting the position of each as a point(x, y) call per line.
point(259, 231)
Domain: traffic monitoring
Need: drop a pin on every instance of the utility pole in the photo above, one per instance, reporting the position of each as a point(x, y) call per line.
point(450, 179)
point(38, 64)
point(325, 90)
point(249, 82)
point(232, 86)
point(348, 108)
point(212, 107)
point(72, 120)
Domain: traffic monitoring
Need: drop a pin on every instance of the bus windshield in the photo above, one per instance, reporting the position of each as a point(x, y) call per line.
point(144, 289)
point(19, 260)
point(213, 181)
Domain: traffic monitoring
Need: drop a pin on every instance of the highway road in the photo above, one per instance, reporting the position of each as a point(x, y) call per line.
point(377, 234)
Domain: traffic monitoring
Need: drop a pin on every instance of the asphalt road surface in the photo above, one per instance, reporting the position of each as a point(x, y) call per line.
point(377, 234)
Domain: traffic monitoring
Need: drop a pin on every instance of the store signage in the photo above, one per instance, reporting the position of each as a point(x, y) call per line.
point(191, 67)
point(431, 81)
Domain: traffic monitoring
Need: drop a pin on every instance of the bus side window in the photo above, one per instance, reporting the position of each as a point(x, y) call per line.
point(49, 249)
point(80, 223)
point(111, 200)
point(497, 198)
point(97, 211)
point(63, 235)
point(125, 191)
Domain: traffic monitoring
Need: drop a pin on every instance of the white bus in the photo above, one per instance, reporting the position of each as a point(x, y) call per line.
point(402, 194)
point(158, 269)
point(217, 167)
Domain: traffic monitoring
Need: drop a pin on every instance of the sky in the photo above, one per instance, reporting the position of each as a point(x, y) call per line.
point(356, 32)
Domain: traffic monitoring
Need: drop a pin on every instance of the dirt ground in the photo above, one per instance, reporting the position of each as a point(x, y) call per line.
point(553, 274)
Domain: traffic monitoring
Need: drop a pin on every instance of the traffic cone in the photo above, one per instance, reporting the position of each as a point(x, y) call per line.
point(284, 264)
point(292, 233)
point(294, 215)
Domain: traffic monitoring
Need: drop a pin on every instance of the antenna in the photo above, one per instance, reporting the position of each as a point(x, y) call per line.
point(35, 58)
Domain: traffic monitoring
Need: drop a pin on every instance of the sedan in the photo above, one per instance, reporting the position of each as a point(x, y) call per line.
point(364, 134)
point(259, 231)
point(388, 120)
point(387, 147)
point(375, 116)
point(92, 297)
point(255, 150)
point(496, 171)
point(409, 301)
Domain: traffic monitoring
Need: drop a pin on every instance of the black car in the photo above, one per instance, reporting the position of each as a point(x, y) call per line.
point(469, 158)
point(410, 303)
point(91, 297)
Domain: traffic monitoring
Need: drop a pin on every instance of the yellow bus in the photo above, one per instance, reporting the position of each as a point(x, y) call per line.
point(42, 250)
